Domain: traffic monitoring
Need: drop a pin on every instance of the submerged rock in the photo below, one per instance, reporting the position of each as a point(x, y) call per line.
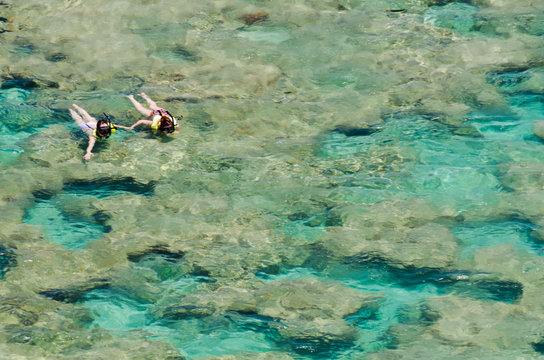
point(308, 310)
point(538, 129)
point(402, 234)
point(38, 327)
point(52, 147)
point(463, 321)
point(322, 331)
point(82, 344)
point(523, 177)
point(309, 299)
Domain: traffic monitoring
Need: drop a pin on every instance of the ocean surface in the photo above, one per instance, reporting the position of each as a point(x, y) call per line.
point(352, 179)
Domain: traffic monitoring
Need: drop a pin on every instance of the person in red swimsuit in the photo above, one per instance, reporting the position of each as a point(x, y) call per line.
point(157, 118)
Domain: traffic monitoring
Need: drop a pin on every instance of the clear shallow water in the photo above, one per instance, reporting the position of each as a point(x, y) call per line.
point(516, 233)
point(62, 230)
point(63, 217)
point(299, 131)
point(16, 113)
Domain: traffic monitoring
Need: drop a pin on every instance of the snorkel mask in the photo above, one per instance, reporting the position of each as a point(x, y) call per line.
point(104, 127)
point(167, 125)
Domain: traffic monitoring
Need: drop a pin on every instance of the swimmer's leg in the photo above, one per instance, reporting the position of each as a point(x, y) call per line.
point(77, 118)
point(84, 114)
point(144, 111)
point(150, 102)
point(81, 123)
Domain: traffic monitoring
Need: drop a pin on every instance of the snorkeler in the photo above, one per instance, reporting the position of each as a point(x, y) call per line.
point(101, 129)
point(158, 118)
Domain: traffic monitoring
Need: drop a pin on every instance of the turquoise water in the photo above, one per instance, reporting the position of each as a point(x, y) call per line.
point(351, 180)
point(62, 216)
point(65, 231)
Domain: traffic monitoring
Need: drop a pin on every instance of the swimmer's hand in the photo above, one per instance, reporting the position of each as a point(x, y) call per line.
point(88, 156)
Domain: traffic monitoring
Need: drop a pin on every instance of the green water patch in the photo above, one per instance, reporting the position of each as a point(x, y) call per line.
point(14, 96)
point(523, 108)
point(427, 159)
point(478, 236)
point(528, 108)
point(514, 80)
point(159, 259)
point(345, 141)
point(339, 77)
point(264, 34)
point(479, 286)
point(198, 330)
point(19, 120)
point(372, 324)
point(500, 126)
point(120, 312)
point(339, 145)
point(18, 115)
point(369, 272)
point(68, 219)
point(458, 16)
point(402, 290)
point(115, 311)
point(531, 23)
point(221, 335)
point(459, 167)
point(397, 130)
point(200, 119)
point(326, 349)
point(69, 230)
point(417, 155)
point(306, 227)
point(9, 144)
point(509, 134)
point(176, 54)
point(514, 126)
point(508, 80)
point(7, 260)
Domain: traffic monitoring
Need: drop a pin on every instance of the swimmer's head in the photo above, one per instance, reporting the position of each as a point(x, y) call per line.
point(103, 128)
point(166, 125)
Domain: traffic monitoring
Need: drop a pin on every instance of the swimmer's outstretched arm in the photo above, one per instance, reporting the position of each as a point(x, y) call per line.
point(88, 155)
point(122, 127)
point(140, 122)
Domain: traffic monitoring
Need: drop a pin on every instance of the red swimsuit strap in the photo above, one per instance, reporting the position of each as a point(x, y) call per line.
point(160, 112)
